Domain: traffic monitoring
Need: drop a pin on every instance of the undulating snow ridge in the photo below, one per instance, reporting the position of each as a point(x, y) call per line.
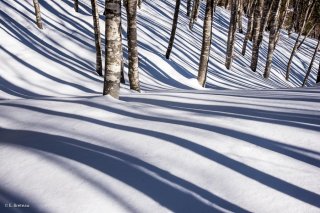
point(174, 148)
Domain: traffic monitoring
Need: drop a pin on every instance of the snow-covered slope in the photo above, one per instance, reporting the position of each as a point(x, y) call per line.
point(60, 60)
point(173, 148)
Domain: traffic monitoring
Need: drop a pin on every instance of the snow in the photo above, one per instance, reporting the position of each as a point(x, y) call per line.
point(240, 144)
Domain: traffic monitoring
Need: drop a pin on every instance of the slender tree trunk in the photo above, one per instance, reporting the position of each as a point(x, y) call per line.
point(174, 28)
point(293, 19)
point(76, 5)
point(226, 4)
point(256, 45)
point(306, 36)
point(189, 4)
point(206, 43)
point(194, 13)
point(239, 19)
point(38, 14)
point(311, 63)
point(256, 28)
point(139, 3)
point(282, 18)
point(132, 45)
point(272, 36)
point(249, 32)
point(318, 76)
point(309, 9)
point(113, 48)
point(96, 26)
point(231, 33)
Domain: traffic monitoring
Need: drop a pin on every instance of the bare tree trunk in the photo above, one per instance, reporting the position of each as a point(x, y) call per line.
point(272, 36)
point(293, 19)
point(311, 63)
point(189, 4)
point(139, 3)
point(132, 45)
point(194, 13)
point(318, 76)
point(174, 28)
point(239, 19)
point(226, 4)
point(256, 28)
point(231, 33)
point(96, 26)
point(38, 14)
point(113, 48)
point(76, 5)
point(309, 9)
point(308, 33)
point(282, 17)
point(249, 31)
point(206, 43)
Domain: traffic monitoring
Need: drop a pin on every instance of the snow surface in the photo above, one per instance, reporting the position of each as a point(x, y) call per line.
point(240, 144)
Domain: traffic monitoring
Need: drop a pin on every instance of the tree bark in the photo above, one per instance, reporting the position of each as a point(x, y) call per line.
point(272, 37)
point(174, 28)
point(318, 76)
point(132, 45)
point(293, 19)
point(282, 17)
point(309, 9)
point(239, 19)
point(249, 31)
point(76, 5)
point(206, 43)
point(231, 33)
point(256, 28)
point(37, 13)
point(311, 63)
point(194, 13)
point(113, 48)
point(308, 33)
point(96, 26)
point(139, 3)
point(189, 4)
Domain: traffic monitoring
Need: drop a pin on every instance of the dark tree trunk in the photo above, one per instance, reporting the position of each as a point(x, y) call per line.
point(239, 19)
point(272, 36)
point(256, 28)
point(309, 9)
point(76, 5)
point(37, 13)
point(311, 63)
point(113, 48)
point(174, 28)
point(282, 17)
point(96, 27)
point(132, 45)
point(318, 76)
point(308, 33)
point(206, 43)
point(249, 32)
point(189, 4)
point(231, 33)
point(194, 13)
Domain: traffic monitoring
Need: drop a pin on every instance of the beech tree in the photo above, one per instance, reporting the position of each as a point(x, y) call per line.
point(113, 48)
point(38, 14)
point(194, 13)
point(96, 26)
point(206, 43)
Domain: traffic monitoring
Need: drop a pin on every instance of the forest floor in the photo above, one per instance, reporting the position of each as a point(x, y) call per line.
point(242, 144)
